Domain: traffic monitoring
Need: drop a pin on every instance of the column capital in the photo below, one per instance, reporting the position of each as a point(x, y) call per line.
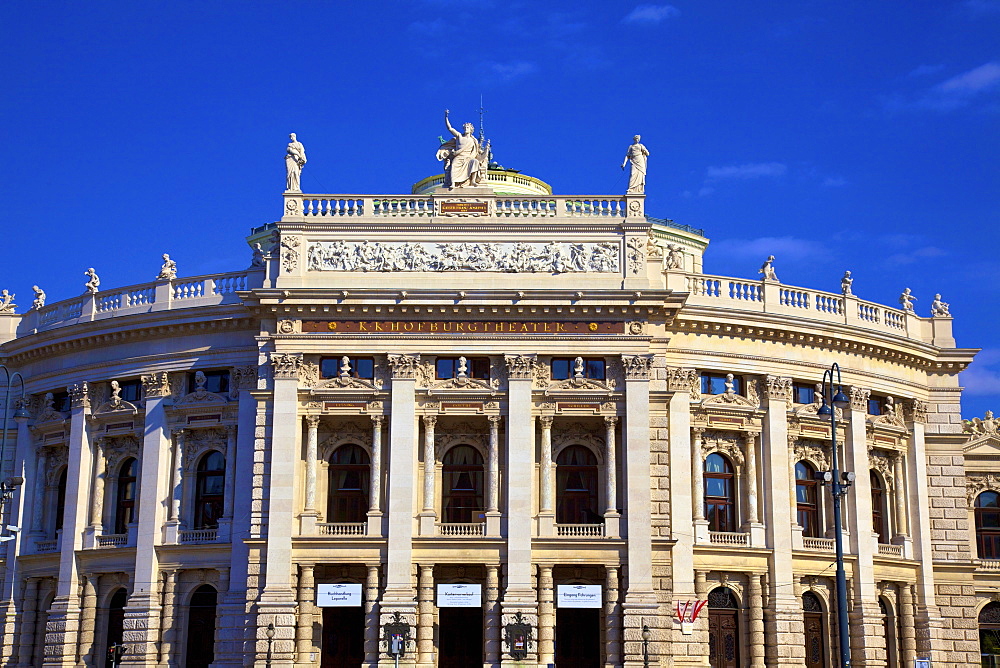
point(637, 367)
point(610, 421)
point(78, 395)
point(312, 421)
point(520, 367)
point(546, 421)
point(859, 398)
point(285, 366)
point(242, 378)
point(697, 432)
point(404, 366)
point(156, 385)
point(377, 421)
point(914, 410)
point(429, 421)
point(494, 420)
point(681, 380)
point(778, 387)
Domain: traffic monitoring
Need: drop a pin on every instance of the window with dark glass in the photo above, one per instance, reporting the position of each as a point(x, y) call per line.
point(576, 487)
point(125, 495)
point(60, 502)
point(60, 401)
point(989, 634)
point(475, 367)
point(360, 367)
point(987, 513)
point(566, 367)
point(876, 405)
point(715, 383)
point(462, 485)
point(216, 381)
point(720, 510)
point(131, 390)
point(349, 478)
point(807, 500)
point(803, 393)
point(210, 490)
point(878, 514)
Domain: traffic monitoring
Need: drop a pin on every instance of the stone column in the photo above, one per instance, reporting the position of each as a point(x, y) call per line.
point(546, 507)
point(425, 606)
point(753, 524)
point(63, 622)
point(168, 620)
point(304, 619)
point(229, 494)
point(640, 599)
point(519, 594)
point(909, 640)
point(492, 615)
point(307, 520)
point(428, 517)
point(95, 525)
point(902, 536)
point(375, 479)
point(88, 616)
point(698, 486)
point(38, 498)
point(493, 478)
point(29, 613)
point(756, 595)
point(612, 618)
point(399, 595)
point(612, 518)
point(546, 616)
point(176, 488)
point(372, 629)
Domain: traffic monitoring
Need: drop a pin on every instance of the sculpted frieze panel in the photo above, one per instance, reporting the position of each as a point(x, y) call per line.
point(519, 257)
point(199, 441)
point(977, 484)
point(727, 443)
point(812, 451)
point(118, 448)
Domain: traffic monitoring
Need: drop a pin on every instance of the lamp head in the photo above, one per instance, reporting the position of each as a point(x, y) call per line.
point(646, 635)
point(21, 415)
point(824, 410)
point(270, 630)
point(840, 399)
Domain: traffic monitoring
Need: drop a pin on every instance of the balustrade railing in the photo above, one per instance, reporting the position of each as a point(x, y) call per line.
point(989, 564)
point(728, 538)
point(819, 544)
point(461, 529)
point(199, 536)
point(342, 528)
point(422, 206)
point(888, 550)
point(112, 540)
point(46, 545)
point(580, 530)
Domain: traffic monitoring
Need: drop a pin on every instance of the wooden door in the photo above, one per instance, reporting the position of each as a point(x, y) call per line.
point(815, 657)
point(723, 639)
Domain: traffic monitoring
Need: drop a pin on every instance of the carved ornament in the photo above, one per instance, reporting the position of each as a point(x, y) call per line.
point(778, 387)
point(286, 365)
point(682, 380)
point(79, 395)
point(156, 385)
point(729, 444)
point(289, 253)
point(520, 367)
point(812, 451)
point(404, 366)
point(577, 434)
point(859, 398)
point(914, 410)
point(977, 484)
point(242, 378)
point(637, 367)
point(636, 253)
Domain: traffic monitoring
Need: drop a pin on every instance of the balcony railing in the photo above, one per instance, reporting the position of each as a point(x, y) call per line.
point(989, 564)
point(580, 530)
point(729, 538)
point(819, 544)
point(46, 545)
point(342, 528)
point(461, 529)
point(112, 540)
point(887, 550)
point(199, 536)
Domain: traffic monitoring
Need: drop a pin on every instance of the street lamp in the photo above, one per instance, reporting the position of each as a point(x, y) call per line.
point(838, 488)
point(21, 415)
point(646, 636)
point(270, 641)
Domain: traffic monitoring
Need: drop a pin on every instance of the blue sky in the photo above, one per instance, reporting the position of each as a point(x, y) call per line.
point(835, 135)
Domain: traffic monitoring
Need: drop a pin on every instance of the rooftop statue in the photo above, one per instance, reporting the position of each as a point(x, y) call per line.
point(636, 154)
point(295, 160)
point(906, 300)
point(39, 297)
point(465, 161)
point(939, 308)
point(7, 304)
point(168, 271)
point(768, 269)
point(93, 282)
point(845, 283)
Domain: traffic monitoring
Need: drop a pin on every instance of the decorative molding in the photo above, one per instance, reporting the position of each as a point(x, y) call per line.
point(520, 367)
point(727, 443)
point(462, 383)
point(286, 366)
point(289, 253)
point(119, 448)
point(812, 451)
point(156, 385)
point(882, 462)
point(977, 484)
point(577, 434)
point(890, 414)
point(636, 253)
point(242, 378)
point(987, 426)
point(637, 367)
point(683, 380)
point(778, 387)
point(859, 398)
point(79, 396)
point(199, 441)
point(914, 410)
point(404, 366)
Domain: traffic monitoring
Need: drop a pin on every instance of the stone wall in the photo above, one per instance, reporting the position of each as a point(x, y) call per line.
point(958, 638)
point(949, 509)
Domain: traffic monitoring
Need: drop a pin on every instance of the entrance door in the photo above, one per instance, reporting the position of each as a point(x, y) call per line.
point(814, 640)
point(578, 638)
point(343, 637)
point(461, 639)
point(723, 639)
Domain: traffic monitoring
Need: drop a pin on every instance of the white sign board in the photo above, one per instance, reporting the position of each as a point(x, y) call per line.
point(340, 595)
point(460, 596)
point(578, 596)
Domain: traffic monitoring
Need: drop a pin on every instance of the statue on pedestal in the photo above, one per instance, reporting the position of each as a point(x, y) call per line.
point(636, 154)
point(39, 297)
point(906, 300)
point(93, 282)
point(465, 161)
point(168, 271)
point(939, 308)
point(7, 304)
point(768, 269)
point(295, 159)
point(845, 283)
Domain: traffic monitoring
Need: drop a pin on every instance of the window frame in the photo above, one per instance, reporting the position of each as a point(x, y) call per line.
point(478, 367)
point(589, 372)
point(355, 363)
point(348, 505)
point(590, 473)
point(798, 388)
point(729, 521)
point(987, 537)
point(813, 529)
point(474, 507)
point(125, 506)
point(202, 518)
point(217, 381)
point(708, 380)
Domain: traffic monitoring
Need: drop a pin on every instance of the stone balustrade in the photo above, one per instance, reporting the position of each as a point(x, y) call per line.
point(342, 528)
point(461, 529)
point(46, 545)
point(112, 540)
point(729, 538)
point(199, 536)
point(887, 550)
point(819, 544)
point(580, 530)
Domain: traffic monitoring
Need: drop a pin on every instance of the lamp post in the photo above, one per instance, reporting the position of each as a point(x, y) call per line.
point(646, 635)
point(838, 488)
point(270, 640)
point(8, 485)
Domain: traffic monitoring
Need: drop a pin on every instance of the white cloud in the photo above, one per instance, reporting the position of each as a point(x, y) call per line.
point(834, 182)
point(983, 375)
point(959, 91)
point(754, 170)
point(783, 248)
point(509, 71)
point(974, 81)
point(651, 14)
point(914, 255)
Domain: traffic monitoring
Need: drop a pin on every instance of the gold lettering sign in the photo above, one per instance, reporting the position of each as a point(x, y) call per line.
point(463, 327)
point(327, 405)
point(465, 207)
point(715, 419)
point(565, 406)
point(460, 405)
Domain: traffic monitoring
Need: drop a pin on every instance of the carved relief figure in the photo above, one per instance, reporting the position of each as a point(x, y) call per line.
point(7, 304)
point(845, 283)
point(93, 282)
point(168, 271)
point(906, 300)
point(258, 256)
point(768, 269)
point(39, 297)
point(637, 155)
point(939, 308)
point(675, 257)
point(295, 160)
point(465, 161)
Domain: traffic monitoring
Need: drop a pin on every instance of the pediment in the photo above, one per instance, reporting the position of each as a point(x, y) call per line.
point(729, 400)
point(48, 417)
point(890, 420)
point(579, 385)
point(462, 385)
point(121, 406)
point(988, 444)
point(344, 386)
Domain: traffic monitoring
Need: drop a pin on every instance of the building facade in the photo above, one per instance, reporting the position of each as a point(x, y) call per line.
point(527, 429)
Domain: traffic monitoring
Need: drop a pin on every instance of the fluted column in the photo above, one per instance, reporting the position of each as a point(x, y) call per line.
point(492, 615)
point(546, 616)
point(168, 629)
point(430, 463)
point(88, 616)
point(612, 616)
point(97, 499)
point(304, 620)
point(312, 449)
point(756, 592)
point(610, 466)
point(906, 616)
point(697, 475)
point(425, 608)
point(493, 478)
point(29, 612)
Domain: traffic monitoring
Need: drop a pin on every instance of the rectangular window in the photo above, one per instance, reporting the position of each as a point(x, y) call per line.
point(567, 367)
point(803, 394)
point(475, 367)
point(216, 381)
point(60, 401)
point(715, 383)
point(360, 367)
point(875, 405)
point(131, 390)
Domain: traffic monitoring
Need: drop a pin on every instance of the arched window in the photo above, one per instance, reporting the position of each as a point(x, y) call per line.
point(210, 490)
point(807, 500)
point(720, 509)
point(988, 525)
point(723, 629)
point(576, 487)
point(348, 477)
point(989, 634)
point(815, 625)
point(125, 495)
point(60, 502)
point(201, 628)
point(462, 485)
point(878, 505)
point(115, 630)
